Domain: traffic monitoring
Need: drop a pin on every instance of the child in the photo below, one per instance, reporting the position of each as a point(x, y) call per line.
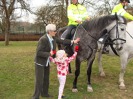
point(62, 62)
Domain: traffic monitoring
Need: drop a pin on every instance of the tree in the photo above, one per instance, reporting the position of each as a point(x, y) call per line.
point(7, 9)
point(63, 2)
point(54, 13)
point(100, 7)
point(56, 10)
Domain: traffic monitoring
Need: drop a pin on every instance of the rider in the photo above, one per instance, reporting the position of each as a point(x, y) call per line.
point(120, 9)
point(76, 14)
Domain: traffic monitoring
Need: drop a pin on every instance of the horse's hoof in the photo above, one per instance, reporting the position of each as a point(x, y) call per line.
point(102, 74)
point(122, 87)
point(89, 89)
point(74, 90)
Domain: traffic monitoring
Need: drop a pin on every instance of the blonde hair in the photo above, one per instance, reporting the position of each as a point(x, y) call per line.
point(60, 56)
point(50, 27)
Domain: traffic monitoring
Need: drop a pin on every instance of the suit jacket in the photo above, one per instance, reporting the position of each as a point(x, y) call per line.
point(44, 48)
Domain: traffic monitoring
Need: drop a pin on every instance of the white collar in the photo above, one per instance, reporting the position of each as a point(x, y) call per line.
point(50, 37)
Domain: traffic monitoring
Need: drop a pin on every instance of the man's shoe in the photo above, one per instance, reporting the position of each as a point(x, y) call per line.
point(48, 96)
point(35, 98)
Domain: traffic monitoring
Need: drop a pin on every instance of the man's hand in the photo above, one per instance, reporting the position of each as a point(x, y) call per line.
point(78, 21)
point(88, 18)
point(76, 41)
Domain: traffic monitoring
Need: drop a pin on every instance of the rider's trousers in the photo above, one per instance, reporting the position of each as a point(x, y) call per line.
point(67, 33)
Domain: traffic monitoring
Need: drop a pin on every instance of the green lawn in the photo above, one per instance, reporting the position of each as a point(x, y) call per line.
point(17, 76)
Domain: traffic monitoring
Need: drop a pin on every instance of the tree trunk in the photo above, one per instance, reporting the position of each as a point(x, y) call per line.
point(7, 32)
point(66, 4)
point(6, 38)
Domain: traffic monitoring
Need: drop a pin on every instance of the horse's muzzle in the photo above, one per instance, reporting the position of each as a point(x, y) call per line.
point(119, 48)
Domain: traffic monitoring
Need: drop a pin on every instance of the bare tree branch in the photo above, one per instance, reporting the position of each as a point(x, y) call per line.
point(7, 9)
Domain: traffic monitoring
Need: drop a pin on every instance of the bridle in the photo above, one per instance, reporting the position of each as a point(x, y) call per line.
point(117, 34)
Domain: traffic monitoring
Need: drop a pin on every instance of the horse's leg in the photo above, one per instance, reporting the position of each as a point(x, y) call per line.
point(89, 87)
point(90, 63)
point(77, 72)
point(99, 58)
point(124, 61)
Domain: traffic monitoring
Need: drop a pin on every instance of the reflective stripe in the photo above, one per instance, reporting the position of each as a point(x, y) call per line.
point(70, 13)
point(122, 14)
point(112, 13)
point(120, 11)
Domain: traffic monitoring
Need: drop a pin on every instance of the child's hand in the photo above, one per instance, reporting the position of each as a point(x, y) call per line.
point(76, 48)
point(52, 52)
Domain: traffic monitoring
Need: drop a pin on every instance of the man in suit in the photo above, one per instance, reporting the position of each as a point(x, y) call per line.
point(46, 45)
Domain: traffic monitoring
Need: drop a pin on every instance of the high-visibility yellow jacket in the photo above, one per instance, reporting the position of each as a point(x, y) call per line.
point(121, 11)
point(76, 12)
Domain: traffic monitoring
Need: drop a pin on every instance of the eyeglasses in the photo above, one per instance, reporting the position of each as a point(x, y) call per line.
point(54, 31)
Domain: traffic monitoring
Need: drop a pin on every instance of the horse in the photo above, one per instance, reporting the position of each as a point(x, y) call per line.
point(125, 54)
point(89, 33)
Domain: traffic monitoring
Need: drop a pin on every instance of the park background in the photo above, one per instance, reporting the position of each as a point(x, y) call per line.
point(18, 41)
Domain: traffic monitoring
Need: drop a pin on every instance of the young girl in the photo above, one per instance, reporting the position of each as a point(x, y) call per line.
point(62, 62)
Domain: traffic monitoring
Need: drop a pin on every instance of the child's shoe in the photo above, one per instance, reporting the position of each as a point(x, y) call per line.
point(63, 96)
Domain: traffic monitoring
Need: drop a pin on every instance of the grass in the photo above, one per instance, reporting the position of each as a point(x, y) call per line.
point(17, 76)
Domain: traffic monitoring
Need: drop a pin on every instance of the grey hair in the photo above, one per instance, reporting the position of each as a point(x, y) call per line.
point(50, 27)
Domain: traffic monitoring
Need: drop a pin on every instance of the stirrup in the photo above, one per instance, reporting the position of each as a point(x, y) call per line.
point(101, 40)
point(62, 38)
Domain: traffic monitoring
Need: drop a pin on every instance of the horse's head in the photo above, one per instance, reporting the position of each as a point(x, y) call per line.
point(117, 32)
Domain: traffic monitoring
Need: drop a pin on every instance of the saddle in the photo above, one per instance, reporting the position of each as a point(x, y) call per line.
point(70, 36)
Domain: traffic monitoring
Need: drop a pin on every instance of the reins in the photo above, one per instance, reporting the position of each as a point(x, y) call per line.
point(129, 34)
point(89, 34)
point(86, 31)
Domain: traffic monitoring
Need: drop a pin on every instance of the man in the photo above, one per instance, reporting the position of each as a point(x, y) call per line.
point(119, 9)
point(46, 45)
point(76, 14)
